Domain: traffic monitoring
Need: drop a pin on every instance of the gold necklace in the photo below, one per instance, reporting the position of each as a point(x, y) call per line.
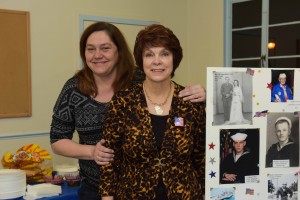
point(157, 106)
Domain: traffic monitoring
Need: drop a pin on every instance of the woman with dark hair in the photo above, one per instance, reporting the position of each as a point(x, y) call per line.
point(158, 139)
point(236, 109)
point(108, 66)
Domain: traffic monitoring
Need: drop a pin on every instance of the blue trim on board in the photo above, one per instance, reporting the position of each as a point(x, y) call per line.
point(83, 18)
point(26, 135)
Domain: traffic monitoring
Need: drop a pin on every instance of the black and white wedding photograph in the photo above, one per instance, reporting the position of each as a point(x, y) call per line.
point(232, 98)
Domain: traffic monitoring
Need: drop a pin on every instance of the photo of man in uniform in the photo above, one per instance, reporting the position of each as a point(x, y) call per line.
point(284, 192)
point(240, 163)
point(282, 140)
point(226, 92)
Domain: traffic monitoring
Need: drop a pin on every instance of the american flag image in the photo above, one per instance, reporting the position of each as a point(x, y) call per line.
point(261, 114)
point(249, 191)
point(179, 121)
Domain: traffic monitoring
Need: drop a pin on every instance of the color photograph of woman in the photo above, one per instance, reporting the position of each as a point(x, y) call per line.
point(283, 85)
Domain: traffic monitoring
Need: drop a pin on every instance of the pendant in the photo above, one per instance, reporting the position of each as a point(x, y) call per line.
point(158, 110)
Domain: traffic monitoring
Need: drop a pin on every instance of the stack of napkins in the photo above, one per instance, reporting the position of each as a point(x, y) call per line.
point(42, 190)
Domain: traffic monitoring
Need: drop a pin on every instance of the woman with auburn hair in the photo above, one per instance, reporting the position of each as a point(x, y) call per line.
point(158, 139)
point(108, 66)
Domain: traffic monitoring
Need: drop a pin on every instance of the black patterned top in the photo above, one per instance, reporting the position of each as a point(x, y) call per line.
point(76, 111)
point(138, 162)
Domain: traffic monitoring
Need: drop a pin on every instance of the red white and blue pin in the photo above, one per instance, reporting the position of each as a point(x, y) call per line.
point(179, 121)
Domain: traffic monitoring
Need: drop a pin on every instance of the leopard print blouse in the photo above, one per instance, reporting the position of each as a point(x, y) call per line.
point(137, 164)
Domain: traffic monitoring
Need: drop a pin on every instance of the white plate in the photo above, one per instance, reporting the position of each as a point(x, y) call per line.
point(12, 195)
point(12, 183)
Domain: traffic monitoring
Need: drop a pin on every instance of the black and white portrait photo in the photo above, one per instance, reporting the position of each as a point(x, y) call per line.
point(282, 140)
point(232, 98)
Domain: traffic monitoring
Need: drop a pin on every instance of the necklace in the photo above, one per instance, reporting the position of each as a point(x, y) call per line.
point(157, 106)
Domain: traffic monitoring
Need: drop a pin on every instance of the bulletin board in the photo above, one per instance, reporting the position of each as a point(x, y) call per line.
point(267, 169)
point(15, 64)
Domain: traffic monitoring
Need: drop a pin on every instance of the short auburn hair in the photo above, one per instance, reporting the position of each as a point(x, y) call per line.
point(157, 35)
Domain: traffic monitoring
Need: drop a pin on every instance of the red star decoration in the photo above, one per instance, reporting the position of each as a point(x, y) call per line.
point(211, 145)
point(269, 85)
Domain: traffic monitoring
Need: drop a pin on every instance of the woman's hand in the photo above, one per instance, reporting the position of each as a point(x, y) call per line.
point(195, 93)
point(103, 155)
point(108, 198)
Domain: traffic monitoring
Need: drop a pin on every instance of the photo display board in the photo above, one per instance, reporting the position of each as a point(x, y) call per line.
point(252, 133)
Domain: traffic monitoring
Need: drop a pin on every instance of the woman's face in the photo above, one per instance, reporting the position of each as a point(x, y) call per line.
point(101, 54)
point(282, 80)
point(157, 63)
point(235, 83)
point(283, 132)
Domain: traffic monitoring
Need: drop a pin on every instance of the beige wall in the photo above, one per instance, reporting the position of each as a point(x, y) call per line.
point(54, 50)
point(205, 37)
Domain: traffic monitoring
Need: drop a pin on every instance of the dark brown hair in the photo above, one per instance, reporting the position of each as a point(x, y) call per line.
point(157, 35)
point(125, 64)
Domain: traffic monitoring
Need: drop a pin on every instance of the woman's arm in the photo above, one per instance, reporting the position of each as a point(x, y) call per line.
point(70, 148)
point(63, 127)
